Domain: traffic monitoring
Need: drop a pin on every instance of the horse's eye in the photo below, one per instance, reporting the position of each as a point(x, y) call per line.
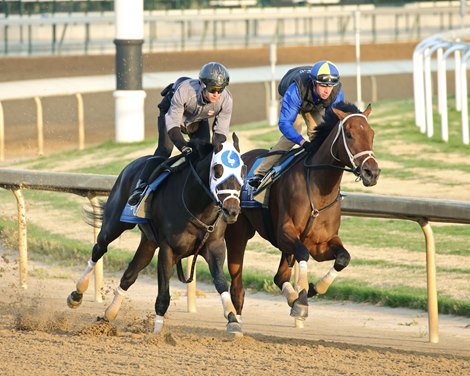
point(348, 135)
point(218, 171)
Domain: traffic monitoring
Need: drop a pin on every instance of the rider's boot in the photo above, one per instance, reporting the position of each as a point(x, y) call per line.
point(136, 194)
point(255, 180)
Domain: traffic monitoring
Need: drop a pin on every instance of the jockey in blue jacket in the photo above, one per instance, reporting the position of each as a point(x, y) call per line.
point(307, 92)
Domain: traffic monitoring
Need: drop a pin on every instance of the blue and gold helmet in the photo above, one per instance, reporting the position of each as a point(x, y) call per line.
point(325, 73)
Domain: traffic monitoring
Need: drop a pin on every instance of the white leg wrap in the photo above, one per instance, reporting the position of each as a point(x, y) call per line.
point(227, 304)
point(322, 285)
point(158, 324)
point(113, 309)
point(239, 319)
point(302, 282)
point(289, 293)
point(82, 284)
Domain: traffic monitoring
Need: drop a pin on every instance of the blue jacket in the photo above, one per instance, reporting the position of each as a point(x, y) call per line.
point(290, 108)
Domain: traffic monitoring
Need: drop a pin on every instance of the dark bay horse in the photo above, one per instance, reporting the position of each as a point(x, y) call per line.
point(304, 208)
point(189, 213)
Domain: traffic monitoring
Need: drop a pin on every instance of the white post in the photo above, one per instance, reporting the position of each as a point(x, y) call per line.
point(418, 85)
point(273, 107)
point(129, 96)
point(458, 89)
point(443, 102)
point(357, 27)
point(464, 113)
point(428, 94)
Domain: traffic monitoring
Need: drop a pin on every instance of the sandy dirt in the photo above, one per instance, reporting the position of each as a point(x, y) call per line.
point(39, 334)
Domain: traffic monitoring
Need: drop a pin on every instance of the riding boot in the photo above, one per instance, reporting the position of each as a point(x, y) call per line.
point(255, 180)
point(136, 194)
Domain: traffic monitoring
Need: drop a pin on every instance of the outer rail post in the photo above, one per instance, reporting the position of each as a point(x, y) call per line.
point(298, 323)
point(39, 125)
point(431, 279)
point(191, 287)
point(99, 265)
point(22, 237)
point(81, 122)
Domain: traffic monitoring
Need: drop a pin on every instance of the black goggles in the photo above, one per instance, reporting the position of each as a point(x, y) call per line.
point(214, 90)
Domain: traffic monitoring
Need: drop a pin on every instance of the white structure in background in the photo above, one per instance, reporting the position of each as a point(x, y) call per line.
point(445, 45)
point(129, 95)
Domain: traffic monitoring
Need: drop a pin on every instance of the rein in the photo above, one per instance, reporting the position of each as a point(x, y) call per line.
point(208, 228)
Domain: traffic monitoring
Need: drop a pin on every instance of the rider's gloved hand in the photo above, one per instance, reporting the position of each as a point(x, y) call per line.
point(186, 150)
point(306, 145)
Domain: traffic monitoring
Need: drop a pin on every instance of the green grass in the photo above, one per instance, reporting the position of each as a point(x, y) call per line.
point(394, 125)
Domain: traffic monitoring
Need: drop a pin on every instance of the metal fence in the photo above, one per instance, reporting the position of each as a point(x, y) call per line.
point(219, 28)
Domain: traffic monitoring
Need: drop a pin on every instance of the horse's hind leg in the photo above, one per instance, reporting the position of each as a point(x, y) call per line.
point(141, 259)
point(110, 231)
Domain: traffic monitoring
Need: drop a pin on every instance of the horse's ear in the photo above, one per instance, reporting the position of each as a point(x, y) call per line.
point(341, 114)
point(217, 141)
point(236, 141)
point(368, 110)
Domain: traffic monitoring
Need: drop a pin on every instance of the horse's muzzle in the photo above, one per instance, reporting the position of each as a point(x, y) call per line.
point(370, 175)
point(231, 210)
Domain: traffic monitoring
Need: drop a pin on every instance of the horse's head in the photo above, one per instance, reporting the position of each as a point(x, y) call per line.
point(226, 177)
point(357, 137)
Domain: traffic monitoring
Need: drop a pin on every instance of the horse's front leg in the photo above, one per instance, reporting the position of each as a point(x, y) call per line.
point(141, 259)
point(334, 250)
point(296, 297)
point(215, 257)
point(164, 270)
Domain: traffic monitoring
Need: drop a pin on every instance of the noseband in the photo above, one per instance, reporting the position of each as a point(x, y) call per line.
point(352, 158)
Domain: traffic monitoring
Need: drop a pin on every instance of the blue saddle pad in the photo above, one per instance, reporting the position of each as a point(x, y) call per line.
point(128, 215)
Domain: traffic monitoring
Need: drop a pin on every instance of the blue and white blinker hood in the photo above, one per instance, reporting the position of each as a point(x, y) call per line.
point(232, 164)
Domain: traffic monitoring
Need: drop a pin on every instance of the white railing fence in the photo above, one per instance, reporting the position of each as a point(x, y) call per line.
point(445, 46)
point(422, 211)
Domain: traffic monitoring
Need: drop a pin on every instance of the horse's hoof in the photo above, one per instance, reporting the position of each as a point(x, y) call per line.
point(102, 319)
point(235, 328)
point(74, 299)
point(311, 290)
point(299, 309)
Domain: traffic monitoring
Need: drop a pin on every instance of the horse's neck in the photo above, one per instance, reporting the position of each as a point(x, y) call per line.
point(331, 168)
point(194, 193)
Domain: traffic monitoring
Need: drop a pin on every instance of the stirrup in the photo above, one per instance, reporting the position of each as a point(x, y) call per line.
point(136, 196)
point(255, 180)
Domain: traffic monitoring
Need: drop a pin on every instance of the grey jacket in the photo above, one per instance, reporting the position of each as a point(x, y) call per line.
point(188, 106)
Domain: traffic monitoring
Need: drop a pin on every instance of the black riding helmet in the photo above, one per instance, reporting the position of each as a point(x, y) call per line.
point(215, 76)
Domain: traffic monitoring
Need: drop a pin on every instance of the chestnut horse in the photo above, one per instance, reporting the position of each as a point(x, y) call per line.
point(187, 215)
point(303, 213)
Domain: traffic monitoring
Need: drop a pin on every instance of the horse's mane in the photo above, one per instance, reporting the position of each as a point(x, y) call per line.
point(202, 148)
point(329, 121)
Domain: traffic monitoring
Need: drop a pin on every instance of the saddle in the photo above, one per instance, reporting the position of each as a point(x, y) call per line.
point(138, 214)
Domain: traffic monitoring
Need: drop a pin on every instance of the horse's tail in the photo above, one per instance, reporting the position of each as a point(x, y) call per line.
point(93, 214)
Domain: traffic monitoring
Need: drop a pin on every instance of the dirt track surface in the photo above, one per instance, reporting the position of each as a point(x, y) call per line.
point(40, 335)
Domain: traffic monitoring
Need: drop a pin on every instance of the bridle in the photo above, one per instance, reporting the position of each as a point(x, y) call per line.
point(370, 154)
